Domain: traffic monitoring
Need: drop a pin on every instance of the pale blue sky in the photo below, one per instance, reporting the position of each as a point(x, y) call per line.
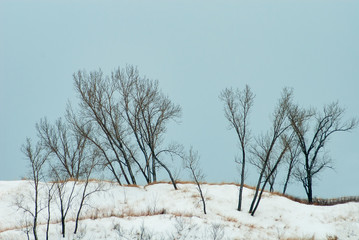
point(195, 49)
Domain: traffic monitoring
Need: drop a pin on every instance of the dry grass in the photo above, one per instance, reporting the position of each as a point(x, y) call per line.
point(195, 195)
point(302, 238)
point(182, 214)
point(311, 238)
point(251, 226)
point(230, 219)
point(159, 182)
point(128, 212)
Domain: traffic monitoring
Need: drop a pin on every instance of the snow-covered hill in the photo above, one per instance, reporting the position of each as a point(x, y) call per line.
point(160, 212)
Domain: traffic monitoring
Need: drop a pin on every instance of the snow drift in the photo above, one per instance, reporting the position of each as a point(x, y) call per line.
point(159, 212)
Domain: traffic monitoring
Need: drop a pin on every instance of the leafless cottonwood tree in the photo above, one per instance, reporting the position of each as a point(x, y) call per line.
point(147, 111)
point(155, 110)
point(129, 114)
point(313, 129)
point(37, 158)
point(267, 145)
point(99, 107)
point(191, 162)
point(237, 106)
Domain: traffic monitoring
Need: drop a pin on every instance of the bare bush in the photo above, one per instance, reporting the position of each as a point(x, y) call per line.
point(216, 231)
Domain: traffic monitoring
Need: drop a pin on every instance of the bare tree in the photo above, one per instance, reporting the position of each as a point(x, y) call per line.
point(313, 130)
point(129, 114)
point(267, 145)
point(72, 160)
point(37, 158)
point(147, 111)
point(99, 106)
point(237, 106)
point(155, 110)
point(191, 163)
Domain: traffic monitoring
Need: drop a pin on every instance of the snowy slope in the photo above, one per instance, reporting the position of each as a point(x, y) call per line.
point(160, 212)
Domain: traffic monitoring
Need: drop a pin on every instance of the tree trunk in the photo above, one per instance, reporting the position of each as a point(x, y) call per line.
point(169, 173)
point(48, 219)
point(257, 190)
point(63, 226)
point(36, 209)
point(259, 198)
point(202, 198)
point(287, 178)
point(35, 225)
point(310, 190)
point(81, 205)
point(149, 175)
point(154, 175)
point(242, 180)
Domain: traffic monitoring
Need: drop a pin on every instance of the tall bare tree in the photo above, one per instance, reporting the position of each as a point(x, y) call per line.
point(237, 106)
point(155, 110)
point(267, 145)
point(37, 158)
point(99, 106)
point(73, 159)
point(313, 129)
point(130, 115)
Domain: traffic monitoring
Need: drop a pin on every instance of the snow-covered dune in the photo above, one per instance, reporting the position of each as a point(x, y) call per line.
point(160, 212)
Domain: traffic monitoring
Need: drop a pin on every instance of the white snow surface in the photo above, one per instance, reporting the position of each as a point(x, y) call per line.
point(159, 212)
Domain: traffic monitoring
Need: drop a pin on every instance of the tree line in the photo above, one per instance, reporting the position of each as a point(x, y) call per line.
point(119, 128)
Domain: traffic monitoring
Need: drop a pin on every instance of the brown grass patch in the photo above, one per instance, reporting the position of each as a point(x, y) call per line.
point(195, 195)
point(128, 212)
point(181, 214)
point(251, 226)
point(230, 219)
point(301, 238)
point(311, 238)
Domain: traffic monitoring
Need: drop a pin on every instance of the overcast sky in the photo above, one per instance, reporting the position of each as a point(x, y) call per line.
point(194, 49)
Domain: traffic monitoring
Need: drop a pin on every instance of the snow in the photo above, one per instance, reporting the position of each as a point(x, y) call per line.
point(159, 212)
